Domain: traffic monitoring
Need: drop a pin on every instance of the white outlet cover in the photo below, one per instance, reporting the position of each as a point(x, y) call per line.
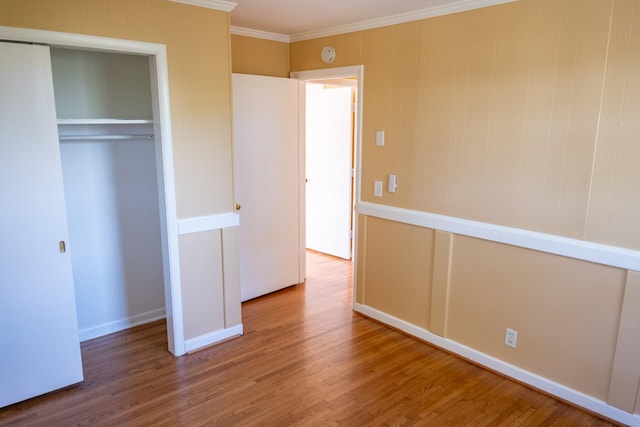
point(511, 338)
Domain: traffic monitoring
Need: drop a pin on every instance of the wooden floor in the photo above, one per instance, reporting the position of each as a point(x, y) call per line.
point(306, 359)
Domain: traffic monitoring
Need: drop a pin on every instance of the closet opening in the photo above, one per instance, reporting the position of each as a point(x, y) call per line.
point(108, 153)
point(156, 55)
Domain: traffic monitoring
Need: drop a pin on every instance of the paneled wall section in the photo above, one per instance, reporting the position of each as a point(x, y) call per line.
point(574, 318)
point(517, 114)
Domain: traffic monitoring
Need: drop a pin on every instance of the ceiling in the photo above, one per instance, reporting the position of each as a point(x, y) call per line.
point(302, 19)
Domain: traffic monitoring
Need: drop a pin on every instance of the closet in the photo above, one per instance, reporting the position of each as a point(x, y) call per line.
point(81, 247)
point(105, 128)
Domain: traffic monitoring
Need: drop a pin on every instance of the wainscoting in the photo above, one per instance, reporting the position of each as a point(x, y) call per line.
point(459, 284)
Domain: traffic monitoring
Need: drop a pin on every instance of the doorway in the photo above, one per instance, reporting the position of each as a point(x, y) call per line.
point(354, 76)
point(330, 172)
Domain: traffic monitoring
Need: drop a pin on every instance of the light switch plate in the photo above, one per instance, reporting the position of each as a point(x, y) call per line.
point(377, 188)
point(380, 138)
point(392, 183)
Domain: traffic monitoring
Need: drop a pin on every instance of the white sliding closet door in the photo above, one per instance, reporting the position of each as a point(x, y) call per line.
point(38, 326)
point(268, 183)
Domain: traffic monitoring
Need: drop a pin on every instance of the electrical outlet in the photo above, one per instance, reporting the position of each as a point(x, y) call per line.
point(511, 338)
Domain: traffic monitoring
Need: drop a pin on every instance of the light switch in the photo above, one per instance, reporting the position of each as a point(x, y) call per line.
point(392, 184)
point(380, 138)
point(377, 188)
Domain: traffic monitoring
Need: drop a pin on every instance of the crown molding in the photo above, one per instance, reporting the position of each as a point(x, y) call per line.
point(225, 6)
point(248, 32)
point(446, 9)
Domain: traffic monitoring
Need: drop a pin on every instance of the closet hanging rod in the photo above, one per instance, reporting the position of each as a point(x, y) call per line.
point(145, 137)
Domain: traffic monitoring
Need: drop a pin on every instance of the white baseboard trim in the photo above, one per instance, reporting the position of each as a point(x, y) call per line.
point(535, 381)
point(120, 325)
point(213, 338)
point(208, 223)
point(579, 249)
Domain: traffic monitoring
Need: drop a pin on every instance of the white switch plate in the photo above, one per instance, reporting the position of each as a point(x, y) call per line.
point(377, 188)
point(393, 184)
point(380, 138)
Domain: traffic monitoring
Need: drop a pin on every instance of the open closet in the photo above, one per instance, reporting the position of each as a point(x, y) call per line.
point(98, 224)
point(105, 127)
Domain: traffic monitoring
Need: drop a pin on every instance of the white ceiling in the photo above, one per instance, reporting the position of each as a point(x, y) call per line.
point(301, 19)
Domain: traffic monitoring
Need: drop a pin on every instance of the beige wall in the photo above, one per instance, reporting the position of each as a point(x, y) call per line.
point(199, 61)
point(513, 114)
point(403, 291)
point(566, 311)
point(519, 115)
point(258, 56)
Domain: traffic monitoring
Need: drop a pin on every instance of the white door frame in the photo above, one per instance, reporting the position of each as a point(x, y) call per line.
point(335, 73)
point(164, 152)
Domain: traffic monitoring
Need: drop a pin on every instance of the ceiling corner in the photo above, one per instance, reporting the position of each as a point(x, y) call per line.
point(257, 34)
point(223, 5)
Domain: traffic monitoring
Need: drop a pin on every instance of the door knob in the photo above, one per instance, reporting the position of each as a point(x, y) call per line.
point(238, 206)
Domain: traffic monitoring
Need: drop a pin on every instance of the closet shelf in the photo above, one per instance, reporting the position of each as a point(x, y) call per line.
point(104, 121)
point(148, 137)
point(105, 129)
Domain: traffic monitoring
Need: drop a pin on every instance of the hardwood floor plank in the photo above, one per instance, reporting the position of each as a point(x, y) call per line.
point(306, 359)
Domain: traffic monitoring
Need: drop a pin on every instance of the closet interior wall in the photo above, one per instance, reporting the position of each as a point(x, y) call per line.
point(103, 104)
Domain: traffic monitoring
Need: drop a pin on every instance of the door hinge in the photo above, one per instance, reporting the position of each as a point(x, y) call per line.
point(63, 246)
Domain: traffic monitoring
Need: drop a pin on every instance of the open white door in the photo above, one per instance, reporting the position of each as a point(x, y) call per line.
point(39, 331)
point(329, 164)
point(268, 183)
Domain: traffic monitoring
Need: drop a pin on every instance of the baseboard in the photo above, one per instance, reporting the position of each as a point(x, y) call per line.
point(120, 325)
point(562, 392)
point(213, 338)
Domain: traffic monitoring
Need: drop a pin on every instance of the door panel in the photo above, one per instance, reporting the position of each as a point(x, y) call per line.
point(329, 165)
point(267, 182)
point(39, 331)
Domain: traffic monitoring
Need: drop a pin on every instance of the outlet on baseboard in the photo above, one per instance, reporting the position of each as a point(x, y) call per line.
point(511, 338)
